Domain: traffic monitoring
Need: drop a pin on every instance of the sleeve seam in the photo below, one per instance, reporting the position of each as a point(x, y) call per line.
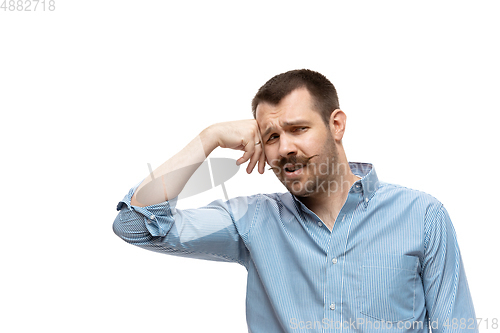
point(254, 218)
point(427, 229)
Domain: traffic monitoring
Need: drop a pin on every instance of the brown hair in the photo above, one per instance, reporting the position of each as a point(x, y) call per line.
point(321, 89)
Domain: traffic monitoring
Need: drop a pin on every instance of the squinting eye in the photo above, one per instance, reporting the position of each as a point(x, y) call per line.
point(272, 137)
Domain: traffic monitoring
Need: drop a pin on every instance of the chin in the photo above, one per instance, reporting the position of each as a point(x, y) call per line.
point(299, 191)
point(302, 194)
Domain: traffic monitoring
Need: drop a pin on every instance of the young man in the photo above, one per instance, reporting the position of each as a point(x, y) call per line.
point(339, 250)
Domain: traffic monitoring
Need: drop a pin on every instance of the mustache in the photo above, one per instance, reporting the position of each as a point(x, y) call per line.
point(291, 160)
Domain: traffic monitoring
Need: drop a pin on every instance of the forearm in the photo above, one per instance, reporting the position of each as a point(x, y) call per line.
point(168, 180)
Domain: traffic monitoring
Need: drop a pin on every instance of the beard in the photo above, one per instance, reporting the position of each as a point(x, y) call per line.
point(319, 172)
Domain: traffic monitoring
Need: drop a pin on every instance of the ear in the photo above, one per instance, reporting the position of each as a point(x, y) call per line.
point(337, 124)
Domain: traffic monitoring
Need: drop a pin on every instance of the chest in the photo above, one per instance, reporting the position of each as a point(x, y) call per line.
point(365, 260)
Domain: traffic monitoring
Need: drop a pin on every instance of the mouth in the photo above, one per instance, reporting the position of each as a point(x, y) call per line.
point(293, 170)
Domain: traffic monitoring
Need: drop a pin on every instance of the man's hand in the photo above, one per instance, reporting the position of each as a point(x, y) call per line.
point(241, 135)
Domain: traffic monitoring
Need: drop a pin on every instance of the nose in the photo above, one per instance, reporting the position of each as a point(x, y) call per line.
point(287, 146)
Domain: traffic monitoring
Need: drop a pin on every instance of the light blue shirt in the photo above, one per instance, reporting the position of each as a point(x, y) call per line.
point(390, 264)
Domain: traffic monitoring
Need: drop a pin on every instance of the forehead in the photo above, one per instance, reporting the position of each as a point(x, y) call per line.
point(295, 107)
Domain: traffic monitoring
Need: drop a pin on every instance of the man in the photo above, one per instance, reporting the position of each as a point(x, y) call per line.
point(340, 250)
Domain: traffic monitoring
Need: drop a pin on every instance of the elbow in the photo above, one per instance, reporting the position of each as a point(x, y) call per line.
point(118, 227)
point(129, 226)
point(125, 225)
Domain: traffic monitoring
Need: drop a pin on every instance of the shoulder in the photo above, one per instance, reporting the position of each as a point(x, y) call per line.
point(250, 212)
point(278, 200)
point(256, 203)
point(277, 205)
point(404, 193)
point(257, 199)
point(424, 204)
point(263, 198)
point(427, 213)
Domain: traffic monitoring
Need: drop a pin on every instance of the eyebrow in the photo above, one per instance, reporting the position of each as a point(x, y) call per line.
point(286, 124)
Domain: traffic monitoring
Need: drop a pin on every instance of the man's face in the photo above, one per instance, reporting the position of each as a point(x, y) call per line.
point(297, 143)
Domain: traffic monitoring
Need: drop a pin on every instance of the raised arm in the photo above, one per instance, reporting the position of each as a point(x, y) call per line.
point(168, 180)
point(149, 219)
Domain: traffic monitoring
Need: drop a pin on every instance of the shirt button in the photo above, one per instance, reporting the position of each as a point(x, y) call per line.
point(332, 306)
point(320, 224)
point(366, 199)
point(152, 217)
point(334, 260)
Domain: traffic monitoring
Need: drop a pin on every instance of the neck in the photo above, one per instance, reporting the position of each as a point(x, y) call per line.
point(326, 204)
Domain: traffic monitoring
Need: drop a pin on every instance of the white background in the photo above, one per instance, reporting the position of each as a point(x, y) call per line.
point(93, 91)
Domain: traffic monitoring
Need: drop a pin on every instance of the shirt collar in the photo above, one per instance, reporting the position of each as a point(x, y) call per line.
point(369, 182)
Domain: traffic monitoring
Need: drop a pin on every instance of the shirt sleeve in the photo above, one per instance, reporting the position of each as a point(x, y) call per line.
point(447, 296)
point(217, 231)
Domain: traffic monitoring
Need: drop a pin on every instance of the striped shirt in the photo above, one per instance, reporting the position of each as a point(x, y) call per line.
point(391, 263)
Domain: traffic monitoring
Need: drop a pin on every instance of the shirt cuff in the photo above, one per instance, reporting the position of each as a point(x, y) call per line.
point(158, 218)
